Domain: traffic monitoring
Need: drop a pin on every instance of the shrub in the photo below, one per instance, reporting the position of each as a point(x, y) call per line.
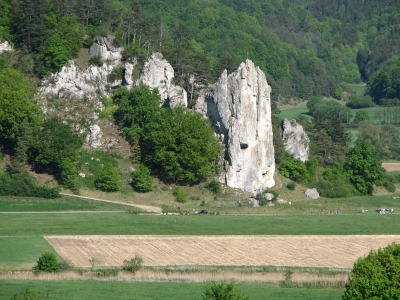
point(108, 180)
point(223, 291)
point(30, 295)
point(48, 262)
point(291, 185)
point(179, 194)
point(360, 102)
point(391, 188)
point(23, 184)
point(292, 168)
point(214, 186)
point(142, 181)
point(96, 61)
point(262, 199)
point(275, 193)
point(116, 74)
point(133, 265)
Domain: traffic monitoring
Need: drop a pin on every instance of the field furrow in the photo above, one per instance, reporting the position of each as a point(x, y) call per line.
point(302, 251)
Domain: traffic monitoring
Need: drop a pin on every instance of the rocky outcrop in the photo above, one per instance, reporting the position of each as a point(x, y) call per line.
point(158, 73)
point(312, 193)
point(5, 47)
point(127, 79)
point(104, 48)
point(240, 109)
point(295, 140)
point(93, 139)
point(79, 83)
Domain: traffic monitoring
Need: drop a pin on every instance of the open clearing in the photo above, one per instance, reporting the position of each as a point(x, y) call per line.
point(390, 167)
point(302, 251)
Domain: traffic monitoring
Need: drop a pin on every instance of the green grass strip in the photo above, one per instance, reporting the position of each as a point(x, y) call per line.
point(154, 290)
point(125, 224)
point(21, 253)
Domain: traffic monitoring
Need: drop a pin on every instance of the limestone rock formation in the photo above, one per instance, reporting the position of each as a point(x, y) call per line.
point(5, 47)
point(240, 109)
point(103, 47)
point(312, 193)
point(295, 139)
point(77, 82)
point(158, 73)
point(127, 79)
point(93, 139)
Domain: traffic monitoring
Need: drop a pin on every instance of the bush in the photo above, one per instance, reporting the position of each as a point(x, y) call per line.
point(275, 193)
point(214, 186)
point(48, 262)
point(223, 291)
point(391, 188)
point(30, 295)
point(116, 74)
point(336, 189)
point(23, 184)
point(96, 61)
point(292, 168)
point(291, 186)
point(133, 265)
point(179, 194)
point(142, 181)
point(108, 180)
point(360, 102)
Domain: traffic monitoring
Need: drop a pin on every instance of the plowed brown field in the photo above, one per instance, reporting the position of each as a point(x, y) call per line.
point(390, 167)
point(302, 251)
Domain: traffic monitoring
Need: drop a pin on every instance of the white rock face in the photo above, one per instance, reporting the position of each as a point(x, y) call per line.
point(312, 193)
point(5, 47)
point(77, 82)
point(127, 79)
point(295, 139)
point(239, 106)
point(93, 139)
point(158, 73)
point(103, 47)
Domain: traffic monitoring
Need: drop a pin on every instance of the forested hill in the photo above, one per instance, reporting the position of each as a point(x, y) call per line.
point(306, 47)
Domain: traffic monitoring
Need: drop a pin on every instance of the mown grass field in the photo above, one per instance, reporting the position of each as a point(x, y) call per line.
point(21, 253)
point(291, 113)
point(154, 290)
point(124, 224)
point(64, 203)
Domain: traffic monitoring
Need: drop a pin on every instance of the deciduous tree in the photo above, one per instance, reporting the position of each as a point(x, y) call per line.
point(375, 276)
point(364, 167)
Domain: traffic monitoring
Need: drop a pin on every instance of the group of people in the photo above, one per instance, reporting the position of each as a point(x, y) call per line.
point(337, 212)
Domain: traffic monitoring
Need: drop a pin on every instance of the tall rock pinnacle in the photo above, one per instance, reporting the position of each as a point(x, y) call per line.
point(239, 107)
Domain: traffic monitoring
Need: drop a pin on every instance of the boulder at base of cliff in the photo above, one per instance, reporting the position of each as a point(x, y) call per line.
point(312, 193)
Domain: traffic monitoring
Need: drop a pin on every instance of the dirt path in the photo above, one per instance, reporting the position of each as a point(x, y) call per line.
point(147, 208)
point(301, 251)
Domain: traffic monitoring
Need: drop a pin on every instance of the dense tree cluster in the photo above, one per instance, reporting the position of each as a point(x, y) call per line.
point(177, 145)
point(303, 46)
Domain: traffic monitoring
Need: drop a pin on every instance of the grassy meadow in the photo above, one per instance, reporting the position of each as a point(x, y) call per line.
point(91, 289)
point(22, 252)
point(125, 224)
point(65, 203)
